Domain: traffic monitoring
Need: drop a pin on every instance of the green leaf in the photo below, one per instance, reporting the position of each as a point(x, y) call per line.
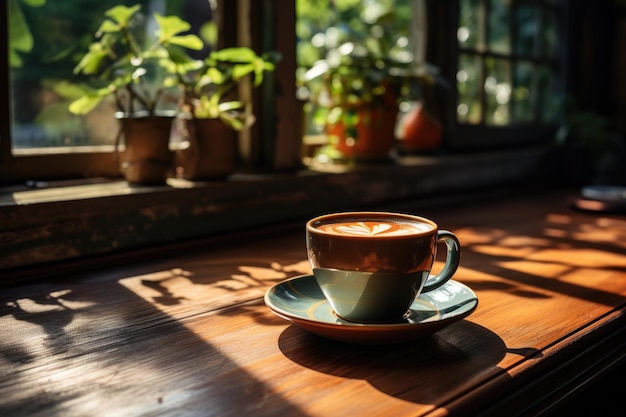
point(188, 66)
point(68, 90)
point(170, 81)
point(168, 65)
point(212, 76)
point(34, 3)
point(241, 54)
point(90, 63)
point(121, 81)
point(158, 53)
point(240, 71)
point(230, 105)
point(234, 122)
point(108, 40)
point(320, 116)
point(107, 26)
point(85, 104)
point(187, 41)
point(170, 26)
point(15, 60)
point(260, 66)
point(122, 14)
point(334, 115)
point(206, 108)
point(20, 36)
point(209, 32)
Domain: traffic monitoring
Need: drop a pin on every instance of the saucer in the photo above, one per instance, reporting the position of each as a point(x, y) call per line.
point(601, 198)
point(300, 301)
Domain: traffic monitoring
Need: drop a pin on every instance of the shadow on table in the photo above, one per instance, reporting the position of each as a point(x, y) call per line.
point(70, 348)
point(463, 354)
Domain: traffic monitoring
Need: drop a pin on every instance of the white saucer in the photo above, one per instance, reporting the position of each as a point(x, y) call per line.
point(300, 301)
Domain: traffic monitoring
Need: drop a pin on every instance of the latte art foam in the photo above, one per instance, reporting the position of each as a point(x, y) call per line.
point(375, 228)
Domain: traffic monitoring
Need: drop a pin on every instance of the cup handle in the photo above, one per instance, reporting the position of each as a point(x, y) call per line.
point(452, 261)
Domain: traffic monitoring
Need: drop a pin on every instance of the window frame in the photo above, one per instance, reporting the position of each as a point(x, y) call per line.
point(274, 143)
point(45, 163)
point(443, 49)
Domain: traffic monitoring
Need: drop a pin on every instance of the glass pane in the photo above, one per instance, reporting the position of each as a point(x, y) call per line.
point(550, 32)
point(548, 97)
point(499, 39)
point(326, 27)
point(357, 42)
point(522, 94)
point(468, 81)
point(498, 91)
point(526, 24)
point(468, 33)
point(46, 44)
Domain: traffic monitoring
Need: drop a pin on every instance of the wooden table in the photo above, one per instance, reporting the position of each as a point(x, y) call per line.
point(189, 335)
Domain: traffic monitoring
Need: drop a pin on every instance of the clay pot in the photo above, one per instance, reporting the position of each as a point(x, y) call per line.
point(212, 151)
point(420, 131)
point(147, 159)
point(371, 138)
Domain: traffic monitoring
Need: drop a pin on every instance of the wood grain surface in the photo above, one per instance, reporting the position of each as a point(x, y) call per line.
point(189, 335)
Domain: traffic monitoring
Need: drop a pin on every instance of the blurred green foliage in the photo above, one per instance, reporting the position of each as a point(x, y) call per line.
point(47, 40)
point(352, 52)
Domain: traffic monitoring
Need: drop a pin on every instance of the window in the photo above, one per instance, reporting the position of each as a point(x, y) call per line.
point(509, 71)
point(46, 41)
point(513, 55)
point(501, 58)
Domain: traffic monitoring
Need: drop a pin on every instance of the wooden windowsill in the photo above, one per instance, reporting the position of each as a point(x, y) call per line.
point(74, 220)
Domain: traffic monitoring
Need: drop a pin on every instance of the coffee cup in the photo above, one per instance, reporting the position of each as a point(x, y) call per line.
point(371, 266)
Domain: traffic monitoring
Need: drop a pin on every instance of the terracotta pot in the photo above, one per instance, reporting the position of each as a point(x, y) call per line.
point(147, 159)
point(371, 138)
point(420, 130)
point(212, 151)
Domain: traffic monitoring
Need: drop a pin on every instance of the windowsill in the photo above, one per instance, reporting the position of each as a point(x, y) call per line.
point(72, 221)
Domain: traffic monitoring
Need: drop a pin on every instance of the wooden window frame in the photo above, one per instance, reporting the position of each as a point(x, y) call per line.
point(273, 143)
point(443, 49)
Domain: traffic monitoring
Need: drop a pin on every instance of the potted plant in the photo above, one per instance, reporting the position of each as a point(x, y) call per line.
point(357, 82)
point(140, 81)
point(213, 114)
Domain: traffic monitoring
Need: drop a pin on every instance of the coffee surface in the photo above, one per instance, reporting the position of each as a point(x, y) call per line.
point(375, 228)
